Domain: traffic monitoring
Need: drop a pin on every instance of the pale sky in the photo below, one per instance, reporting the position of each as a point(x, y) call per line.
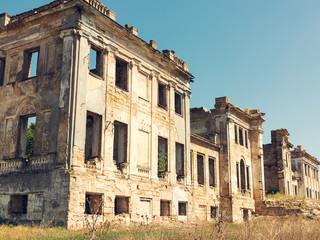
point(261, 54)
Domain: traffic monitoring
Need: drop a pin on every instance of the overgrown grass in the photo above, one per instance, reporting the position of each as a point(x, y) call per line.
point(280, 196)
point(265, 228)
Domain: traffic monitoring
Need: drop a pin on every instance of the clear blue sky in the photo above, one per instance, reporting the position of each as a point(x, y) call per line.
point(261, 54)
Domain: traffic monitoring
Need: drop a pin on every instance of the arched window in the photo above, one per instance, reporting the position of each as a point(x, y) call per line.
point(242, 176)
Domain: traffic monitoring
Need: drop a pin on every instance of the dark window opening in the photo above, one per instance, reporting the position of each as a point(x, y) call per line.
point(121, 205)
point(235, 133)
point(212, 180)
point(2, 70)
point(120, 142)
point(191, 165)
point(179, 160)
point(182, 209)
point(248, 177)
point(307, 191)
point(162, 95)
point(162, 156)
point(310, 193)
point(238, 177)
point(306, 169)
point(93, 136)
point(246, 138)
point(213, 212)
point(18, 204)
point(295, 190)
point(121, 74)
point(288, 187)
point(30, 66)
point(243, 176)
point(94, 203)
point(245, 214)
point(96, 61)
point(178, 103)
point(241, 136)
point(165, 208)
point(200, 169)
point(27, 136)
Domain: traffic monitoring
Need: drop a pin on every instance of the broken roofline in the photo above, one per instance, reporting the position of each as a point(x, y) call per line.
point(168, 55)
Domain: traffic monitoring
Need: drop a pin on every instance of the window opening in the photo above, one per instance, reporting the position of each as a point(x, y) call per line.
point(162, 95)
point(93, 136)
point(182, 209)
point(248, 177)
point(96, 61)
point(243, 176)
point(200, 169)
point(213, 212)
point(94, 203)
point(179, 160)
point(121, 205)
point(178, 103)
point(2, 70)
point(241, 136)
point(246, 138)
point(212, 179)
point(121, 74)
point(27, 136)
point(162, 157)
point(18, 204)
point(31, 58)
point(120, 143)
point(165, 208)
point(245, 214)
point(235, 133)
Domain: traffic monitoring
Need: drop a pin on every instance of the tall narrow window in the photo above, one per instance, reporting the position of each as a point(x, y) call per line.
point(178, 103)
point(248, 177)
point(162, 157)
point(165, 208)
point(120, 142)
point(238, 177)
point(246, 138)
point(243, 176)
point(200, 169)
point(236, 133)
point(30, 66)
point(212, 180)
point(93, 136)
point(96, 61)
point(182, 211)
point(121, 74)
point(241, 136)
point(179, 160)
point(191, 165)
point(2, 69)
point(27, 136)
point(306, 169)
point(162, 95)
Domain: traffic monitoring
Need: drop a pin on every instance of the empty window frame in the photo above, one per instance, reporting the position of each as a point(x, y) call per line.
point(178, 103)
point(122, 74)
point(120, 142)
point(213, 212)
point(94, 203)
point(307, 191)
point(245, 214)
point(162, 95)
point(306, 169)
point(2, 70)
point(241, 136)
point(96, 61)
point(165, 208)
point(182, 208)
point(246, 138)
point(236, 133)
point(162, 156)
point(27, 136)
point(121, 205)
point(200, 167)
point(18, 204)
point(30, 65)
point(248, 178)
point(242, 176)
point(179, 160)
point(191, 165)
point(93, 136)
point(212, 177)
point(238, 175)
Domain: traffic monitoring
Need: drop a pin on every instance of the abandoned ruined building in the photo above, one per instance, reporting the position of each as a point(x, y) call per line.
point(289, 172)
point(96, 121)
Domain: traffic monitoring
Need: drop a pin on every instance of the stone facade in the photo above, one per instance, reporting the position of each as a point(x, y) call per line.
point(294, 173)
point(239, 132)
point(277, 162)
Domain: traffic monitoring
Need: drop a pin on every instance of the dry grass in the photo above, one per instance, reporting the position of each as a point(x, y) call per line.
point(264, 228)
